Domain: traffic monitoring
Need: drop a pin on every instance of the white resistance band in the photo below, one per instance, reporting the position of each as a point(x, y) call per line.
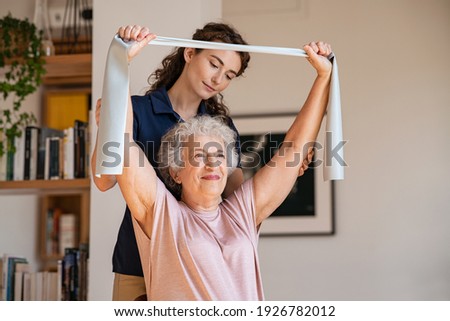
point(110, 138)
point(177, 42)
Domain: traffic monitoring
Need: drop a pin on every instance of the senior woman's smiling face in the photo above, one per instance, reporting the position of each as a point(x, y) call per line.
point(205, 171)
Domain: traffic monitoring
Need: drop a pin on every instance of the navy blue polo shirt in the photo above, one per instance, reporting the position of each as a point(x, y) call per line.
point(153, 117)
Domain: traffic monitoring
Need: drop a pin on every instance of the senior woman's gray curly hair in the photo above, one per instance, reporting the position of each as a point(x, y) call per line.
point(172, 143)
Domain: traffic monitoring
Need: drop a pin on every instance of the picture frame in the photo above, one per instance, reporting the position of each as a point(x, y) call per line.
point(318, 221)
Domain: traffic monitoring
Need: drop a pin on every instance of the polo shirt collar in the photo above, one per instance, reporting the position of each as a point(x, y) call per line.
point(162, 105)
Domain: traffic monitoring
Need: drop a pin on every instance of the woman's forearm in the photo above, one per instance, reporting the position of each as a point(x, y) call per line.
point(104, 182)
point(306, 125)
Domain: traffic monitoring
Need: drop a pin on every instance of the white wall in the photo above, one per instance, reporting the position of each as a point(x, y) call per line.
point(393, 222)
point(159, 15)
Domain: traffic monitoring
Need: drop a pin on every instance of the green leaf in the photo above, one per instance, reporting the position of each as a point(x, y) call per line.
point(20, 45)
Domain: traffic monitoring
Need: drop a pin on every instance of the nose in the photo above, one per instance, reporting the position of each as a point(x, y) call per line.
point(217, 78)
point(212, 162)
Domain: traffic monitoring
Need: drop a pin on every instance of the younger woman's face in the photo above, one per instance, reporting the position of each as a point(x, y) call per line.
point(211, 71)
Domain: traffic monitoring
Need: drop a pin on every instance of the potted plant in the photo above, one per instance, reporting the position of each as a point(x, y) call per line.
point(21, 71)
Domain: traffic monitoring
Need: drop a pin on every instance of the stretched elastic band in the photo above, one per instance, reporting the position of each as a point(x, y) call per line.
point(110, 144)
point(177, 42)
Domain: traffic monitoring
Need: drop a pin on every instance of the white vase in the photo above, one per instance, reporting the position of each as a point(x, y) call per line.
point(41, 20)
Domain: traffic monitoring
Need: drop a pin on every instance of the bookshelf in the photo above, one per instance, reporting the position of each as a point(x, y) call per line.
point(71, 196)
point(68, 70)
point(66, 75)
point(70, 201)
point(17, 186)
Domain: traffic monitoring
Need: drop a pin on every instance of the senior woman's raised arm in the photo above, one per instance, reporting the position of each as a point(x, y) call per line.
point(138, 179)
point(274, 181)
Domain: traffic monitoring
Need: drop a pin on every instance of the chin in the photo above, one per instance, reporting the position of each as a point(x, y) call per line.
point(215, 190)
point(205, 94)
point(206, 97)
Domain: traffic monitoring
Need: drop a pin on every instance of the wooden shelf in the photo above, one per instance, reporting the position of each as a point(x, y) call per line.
point(80, 183)
point(65, 73)
point(68, 70)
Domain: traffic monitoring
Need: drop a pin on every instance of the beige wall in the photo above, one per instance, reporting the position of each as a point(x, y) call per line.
point(393, 222)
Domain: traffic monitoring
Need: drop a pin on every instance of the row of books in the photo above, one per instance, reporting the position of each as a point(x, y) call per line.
point(48, 153)
point(61, 231)
point(68, 283)
point(74, 274)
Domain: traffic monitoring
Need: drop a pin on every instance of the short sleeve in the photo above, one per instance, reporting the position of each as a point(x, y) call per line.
point(240, 206)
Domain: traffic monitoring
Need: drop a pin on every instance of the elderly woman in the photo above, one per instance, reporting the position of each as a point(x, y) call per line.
point(202, 247)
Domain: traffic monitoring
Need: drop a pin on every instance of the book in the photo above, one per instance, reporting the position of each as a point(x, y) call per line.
point(49, 240)
point(46, 159)
point(63, 107)
point(20, 269)
point(26, 294)
point(31, 152)
point(45, 134)
point(54, 150)
point(10, 163)
point(6, 161)
point(3, 166)
point(3, 160)
point(33, 291)
point(4, 277)
point(80, 129)
point(18, 285)
point(57, 212)
point(70, 274)
point(61, 157)
point(51, 286)
point(69, 157)
point(59, 284)
point(82, 269)
point(73, 274)
point(52, 231)
point(39, 289)
point(19, 157)
point(12, 261)
point(67, 232)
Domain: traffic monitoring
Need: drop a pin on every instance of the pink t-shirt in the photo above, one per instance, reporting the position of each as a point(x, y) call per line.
point(202, 255)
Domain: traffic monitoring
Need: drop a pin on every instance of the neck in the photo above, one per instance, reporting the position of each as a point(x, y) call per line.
point(183, 100)
point(205, 204)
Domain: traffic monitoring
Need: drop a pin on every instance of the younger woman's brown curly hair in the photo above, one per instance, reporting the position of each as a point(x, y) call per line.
point(173, 64)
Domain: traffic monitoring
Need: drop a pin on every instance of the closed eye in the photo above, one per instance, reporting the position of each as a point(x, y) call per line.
point(230, 74)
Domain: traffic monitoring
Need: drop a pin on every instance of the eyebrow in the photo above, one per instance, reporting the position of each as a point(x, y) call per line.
point(221, 62)
point(198, 149)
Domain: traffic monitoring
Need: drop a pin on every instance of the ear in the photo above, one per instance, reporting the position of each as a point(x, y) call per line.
point(174, 176)
point(188, 54)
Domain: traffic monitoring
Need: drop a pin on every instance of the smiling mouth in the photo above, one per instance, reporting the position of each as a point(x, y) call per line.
point(209, 87)
point(211, 177)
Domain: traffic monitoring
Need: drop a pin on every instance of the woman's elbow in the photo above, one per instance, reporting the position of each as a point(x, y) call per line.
point(104, 184)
